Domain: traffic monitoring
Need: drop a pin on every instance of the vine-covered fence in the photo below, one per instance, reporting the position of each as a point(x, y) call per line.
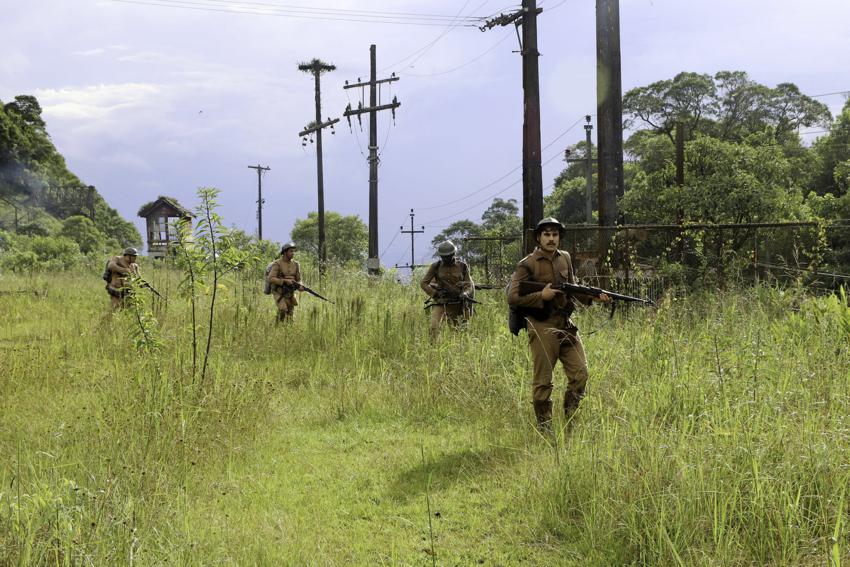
point(648, 259)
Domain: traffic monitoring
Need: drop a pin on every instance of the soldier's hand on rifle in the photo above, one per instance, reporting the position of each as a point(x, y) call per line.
point(602, 298)
point(547, 293)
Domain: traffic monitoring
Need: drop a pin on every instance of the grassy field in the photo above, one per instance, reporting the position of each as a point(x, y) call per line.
point(715, 432)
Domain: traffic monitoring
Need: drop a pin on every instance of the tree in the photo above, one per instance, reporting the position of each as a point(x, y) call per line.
point(502, 218)
point(347, 237)
point(729, 106)
point(832, 151)
point(28, 108)
point(567, 200)
point(725, 182)
point(689, 97)
point(82, 230)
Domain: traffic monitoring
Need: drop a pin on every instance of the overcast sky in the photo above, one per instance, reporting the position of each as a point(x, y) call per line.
point(145, 100)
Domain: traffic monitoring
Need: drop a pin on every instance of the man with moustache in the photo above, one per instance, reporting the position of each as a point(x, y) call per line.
point(552, 335)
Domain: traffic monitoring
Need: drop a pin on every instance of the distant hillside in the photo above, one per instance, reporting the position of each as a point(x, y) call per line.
point(37, 187)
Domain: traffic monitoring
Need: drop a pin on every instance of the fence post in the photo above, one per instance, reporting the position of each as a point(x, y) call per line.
point(756, 255)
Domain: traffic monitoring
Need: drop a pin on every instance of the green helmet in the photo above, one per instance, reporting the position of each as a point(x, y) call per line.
point(130, 251)
point(287, 246)
point(549, 221)
point(446, 248)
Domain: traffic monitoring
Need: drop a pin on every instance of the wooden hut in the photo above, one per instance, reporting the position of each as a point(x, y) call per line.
point(162, 216)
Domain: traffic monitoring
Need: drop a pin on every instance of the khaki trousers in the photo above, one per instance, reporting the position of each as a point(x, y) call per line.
point(285, 307)
point(549, 343)
point(455, 314)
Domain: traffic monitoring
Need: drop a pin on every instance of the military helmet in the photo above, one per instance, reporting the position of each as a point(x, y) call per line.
point(130, 251)
point(548, 221)
point(287, 246)
point(447, 248)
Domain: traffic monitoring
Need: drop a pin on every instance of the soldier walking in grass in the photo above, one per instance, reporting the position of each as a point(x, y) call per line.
point(552, 335)
point(285, 279)
point(117, 271)
point(449, 287)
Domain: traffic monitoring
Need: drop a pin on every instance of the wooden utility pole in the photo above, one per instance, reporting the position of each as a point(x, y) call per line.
point(317, 67)
point(373, 264)
point(532, 172)
point(260, 169)
point(609, 93)
point(412, 232)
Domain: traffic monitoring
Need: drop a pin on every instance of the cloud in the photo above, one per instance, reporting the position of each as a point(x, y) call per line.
point(96, 102)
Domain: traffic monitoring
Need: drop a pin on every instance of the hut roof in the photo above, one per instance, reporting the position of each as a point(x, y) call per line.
point(171, 202)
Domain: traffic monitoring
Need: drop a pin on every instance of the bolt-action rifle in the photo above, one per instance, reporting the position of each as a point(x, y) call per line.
point(446, 297)
point(526, 287)
point(288, 288)
point(517, 315)
point(143, 283)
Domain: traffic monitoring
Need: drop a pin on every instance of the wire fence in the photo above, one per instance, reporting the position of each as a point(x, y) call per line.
point(650, 260)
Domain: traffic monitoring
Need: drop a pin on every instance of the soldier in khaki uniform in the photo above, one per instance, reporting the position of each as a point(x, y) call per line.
point(552, 335)
point(119, 268)
point(285, 279)
point(448, 284)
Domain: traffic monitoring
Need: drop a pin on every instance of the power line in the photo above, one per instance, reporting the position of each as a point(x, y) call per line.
point(829, 94)
point(462, 65)
point(206, 7)
point(419, 53)
point(487, 186)
point(375, 13)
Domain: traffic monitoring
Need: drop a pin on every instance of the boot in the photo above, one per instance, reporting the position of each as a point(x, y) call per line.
point(571, 403)
point(543, 411)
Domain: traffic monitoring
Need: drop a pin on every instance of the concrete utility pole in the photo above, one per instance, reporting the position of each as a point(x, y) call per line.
point(317, 67)
point(260, 169)
point(411, 232)
point(532, 172)
point(373, 264)
point(609, 94)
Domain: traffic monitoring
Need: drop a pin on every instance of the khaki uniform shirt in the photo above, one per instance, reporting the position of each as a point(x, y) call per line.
point(120, 268)
point(454, 278)
point(284, 269)
point(538, 267)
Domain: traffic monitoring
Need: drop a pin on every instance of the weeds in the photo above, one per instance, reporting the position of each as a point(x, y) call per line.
point(303, 444)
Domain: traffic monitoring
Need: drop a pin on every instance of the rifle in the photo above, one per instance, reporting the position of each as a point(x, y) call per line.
point(303, 287)
point(526, 287)
point(150, 287)
point(449, 298)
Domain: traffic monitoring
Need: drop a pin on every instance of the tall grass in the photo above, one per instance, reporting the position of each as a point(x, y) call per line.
point(715, 432)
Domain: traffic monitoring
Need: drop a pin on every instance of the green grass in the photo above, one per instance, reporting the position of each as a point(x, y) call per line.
point(715, 432)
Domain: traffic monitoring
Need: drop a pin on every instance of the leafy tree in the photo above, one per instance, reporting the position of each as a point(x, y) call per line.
point(724, 182)
point(36, 175)
point(729, 106)
point(502, 218)
point(82, 230)
point(832, 153)
point(28, 108)
point(347, 237)
point(689, 97)
point(567, 200)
